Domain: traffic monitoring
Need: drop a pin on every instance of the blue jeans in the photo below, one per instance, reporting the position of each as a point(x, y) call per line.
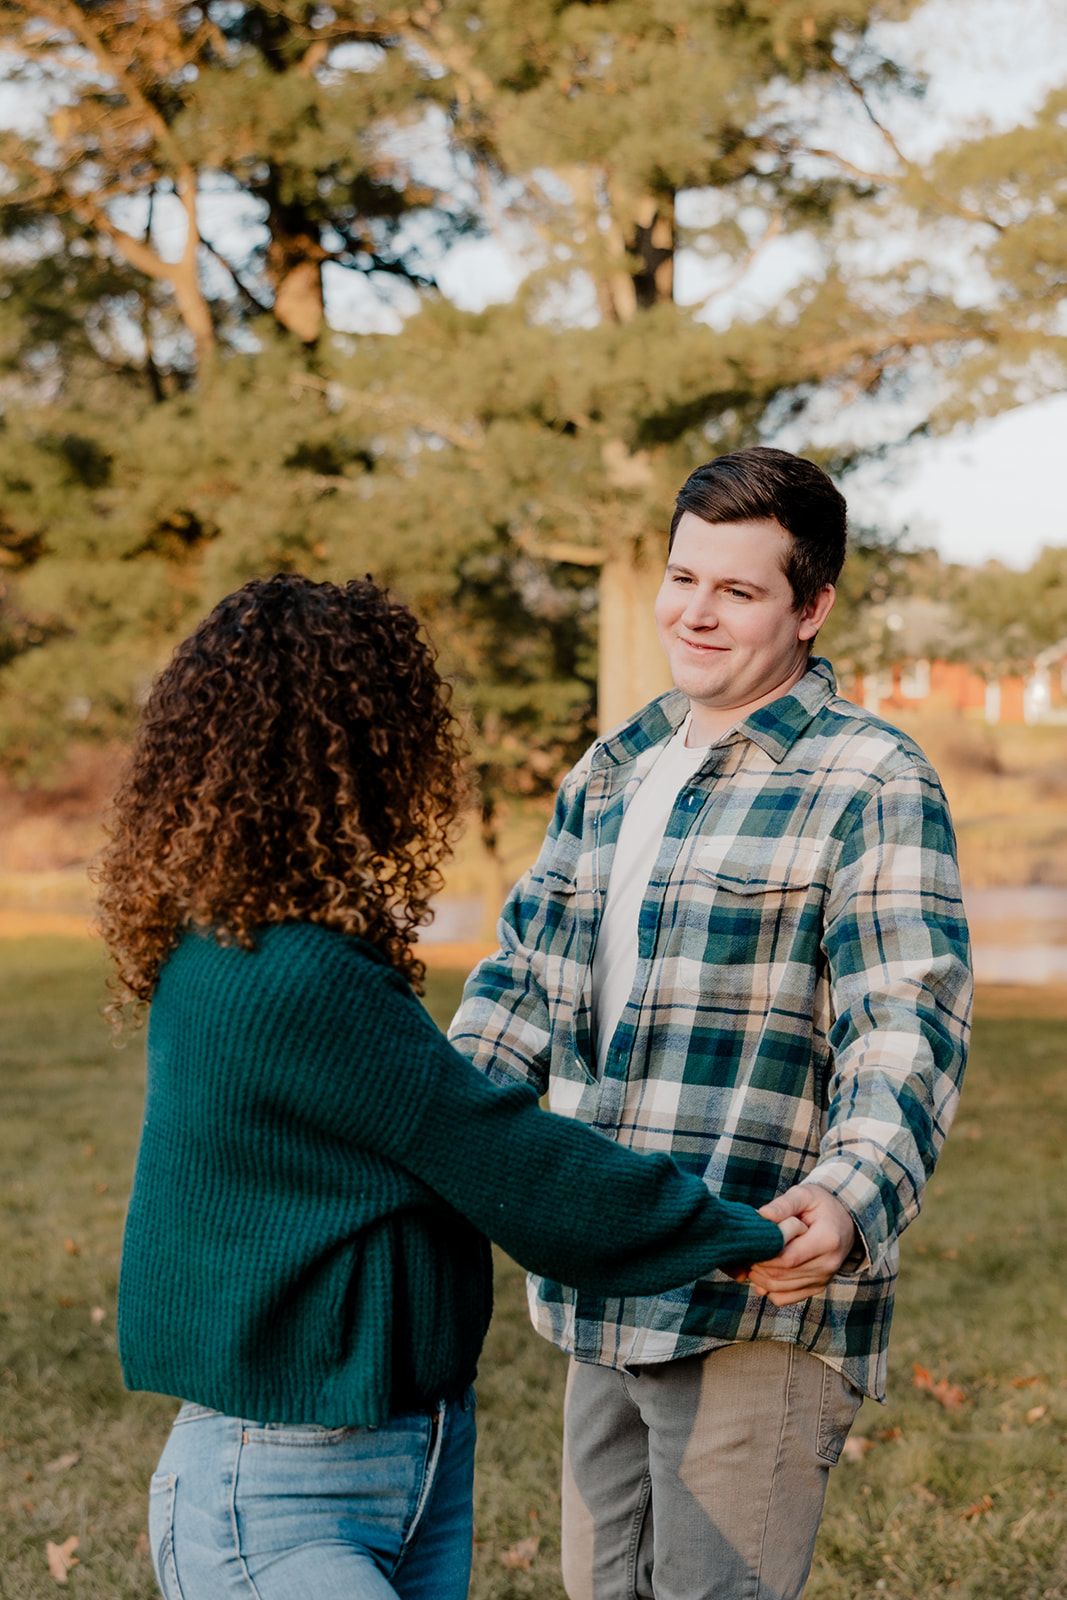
point(269, 1511)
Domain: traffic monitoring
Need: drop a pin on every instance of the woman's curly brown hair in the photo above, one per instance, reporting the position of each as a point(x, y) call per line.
point(297, 760)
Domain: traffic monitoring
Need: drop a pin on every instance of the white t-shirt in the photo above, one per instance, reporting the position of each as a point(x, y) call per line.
point(668, 769)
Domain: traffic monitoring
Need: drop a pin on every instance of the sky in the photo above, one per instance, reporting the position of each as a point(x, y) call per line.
point(993, 491)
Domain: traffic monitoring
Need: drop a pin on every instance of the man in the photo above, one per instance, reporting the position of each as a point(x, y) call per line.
point(742, 942)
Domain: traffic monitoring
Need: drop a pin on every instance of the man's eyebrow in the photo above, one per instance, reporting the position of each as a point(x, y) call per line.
point(720, 583)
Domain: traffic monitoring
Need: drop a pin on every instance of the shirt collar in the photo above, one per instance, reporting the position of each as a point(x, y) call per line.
point(775, 727)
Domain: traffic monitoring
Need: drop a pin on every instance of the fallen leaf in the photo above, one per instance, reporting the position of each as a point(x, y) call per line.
point(976, 1509)
point(29, 1506)
point(949, 1395)
point(889, 1435)
point(927, 1496)
point(950, 1255)
point(88, 1149)
point(973, 1132)
point(521, 1555)
point(66, 1301)
point(142, 1547)
point(71, 1248)
point(1035, 1413)
point(100, 1188)
point(97, 1315)
point(61, 1557)
point(61, 1463)
point(856, 1447)
point(1028, 1383)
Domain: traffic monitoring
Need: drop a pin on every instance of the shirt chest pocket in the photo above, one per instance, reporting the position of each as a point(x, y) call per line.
point(753, 907)
point(557, 872)
point(550, 903)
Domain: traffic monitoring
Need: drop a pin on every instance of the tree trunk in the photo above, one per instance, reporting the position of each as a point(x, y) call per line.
point(298, 303)
point(640, 236)
point(652, 242)
point(182, 275)
point(495, 885)
point(294, 266)
point(632, 668)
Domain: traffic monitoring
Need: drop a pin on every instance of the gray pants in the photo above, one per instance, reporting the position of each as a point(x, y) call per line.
point(700, 1479)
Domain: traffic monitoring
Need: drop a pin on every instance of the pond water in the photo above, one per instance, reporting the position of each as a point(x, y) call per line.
point(1019, 935)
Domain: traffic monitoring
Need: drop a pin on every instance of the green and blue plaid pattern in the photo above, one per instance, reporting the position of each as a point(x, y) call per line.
point(800, 1009)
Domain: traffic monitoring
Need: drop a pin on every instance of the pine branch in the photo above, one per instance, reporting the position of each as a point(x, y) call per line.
point(887, 178)
point(910, 169)
point(252, 301)
point(395, 408)
point(879, 345)
point(770, 233)
point(67, 15)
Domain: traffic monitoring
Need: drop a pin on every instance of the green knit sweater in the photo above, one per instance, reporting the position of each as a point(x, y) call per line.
point(318, 1171)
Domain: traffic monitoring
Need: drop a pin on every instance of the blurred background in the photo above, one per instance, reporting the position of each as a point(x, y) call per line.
point(458, 293)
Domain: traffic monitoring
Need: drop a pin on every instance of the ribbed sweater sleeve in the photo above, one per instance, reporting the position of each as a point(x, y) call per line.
point(563, 1200)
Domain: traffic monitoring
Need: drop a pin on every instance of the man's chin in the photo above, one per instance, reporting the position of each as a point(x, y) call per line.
point(704, 689)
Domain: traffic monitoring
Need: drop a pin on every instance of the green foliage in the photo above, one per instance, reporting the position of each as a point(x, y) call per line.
point(1010, 616)
point(173, 427)
point(981, 1303)
point(180, 98)
point(1012, 187)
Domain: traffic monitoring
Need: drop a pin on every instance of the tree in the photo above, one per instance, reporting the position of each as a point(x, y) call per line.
point(494, 467)
point(1009, 617)
point(173, 103)
point(604, 115)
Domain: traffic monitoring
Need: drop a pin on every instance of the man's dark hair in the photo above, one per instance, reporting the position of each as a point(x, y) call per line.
point(750, 485)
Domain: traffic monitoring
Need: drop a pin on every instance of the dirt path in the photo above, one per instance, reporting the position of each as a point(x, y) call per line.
point(30, 924)
point(460, 957)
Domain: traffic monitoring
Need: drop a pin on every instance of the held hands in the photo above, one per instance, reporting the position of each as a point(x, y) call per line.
point(820, 1235)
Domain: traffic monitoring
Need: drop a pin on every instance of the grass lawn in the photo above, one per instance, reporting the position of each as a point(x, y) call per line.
point(963, 1500)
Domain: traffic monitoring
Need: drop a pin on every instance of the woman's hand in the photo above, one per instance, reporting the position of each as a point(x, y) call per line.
point(808, 1262)
point(819, 1237)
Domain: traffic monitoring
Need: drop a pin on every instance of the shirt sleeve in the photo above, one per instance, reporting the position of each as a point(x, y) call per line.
point(567, 1202)
point(502, 1025)
point(899, 959)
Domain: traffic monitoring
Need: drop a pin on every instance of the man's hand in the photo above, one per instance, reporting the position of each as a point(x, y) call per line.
point(808, 1262)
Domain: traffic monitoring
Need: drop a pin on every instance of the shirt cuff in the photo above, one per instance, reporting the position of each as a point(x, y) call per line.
point(860, 1192)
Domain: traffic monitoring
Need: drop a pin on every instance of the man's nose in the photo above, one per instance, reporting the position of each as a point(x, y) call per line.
point(700, 610)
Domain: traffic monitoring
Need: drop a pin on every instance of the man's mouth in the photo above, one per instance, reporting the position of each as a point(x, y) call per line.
point(703, 649)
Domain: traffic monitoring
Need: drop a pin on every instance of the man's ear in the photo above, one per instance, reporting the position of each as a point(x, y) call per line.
point(816, 612)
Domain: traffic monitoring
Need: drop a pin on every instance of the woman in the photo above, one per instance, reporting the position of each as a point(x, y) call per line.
point(306, 1261)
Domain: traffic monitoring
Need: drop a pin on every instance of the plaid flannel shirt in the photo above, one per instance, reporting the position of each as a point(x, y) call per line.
point(799, 1013)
